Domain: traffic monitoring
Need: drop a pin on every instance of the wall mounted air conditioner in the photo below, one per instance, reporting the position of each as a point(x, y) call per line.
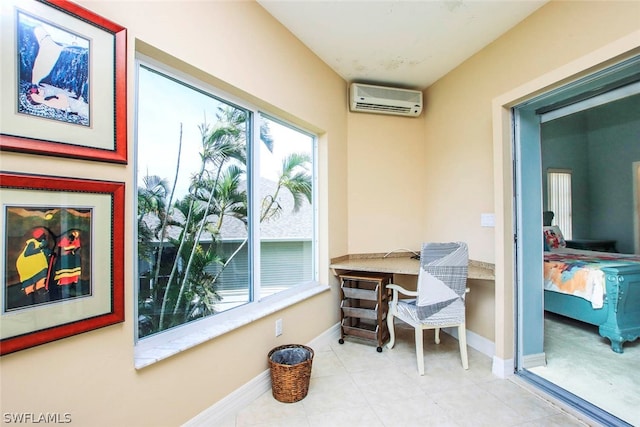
point(384, 100)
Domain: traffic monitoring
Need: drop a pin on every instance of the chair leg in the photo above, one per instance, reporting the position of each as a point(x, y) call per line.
point(392, 331)
point(437, 335)
point(462, 340)
point(419, 351)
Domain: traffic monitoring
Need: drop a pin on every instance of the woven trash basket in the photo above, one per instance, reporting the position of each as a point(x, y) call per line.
point(290, 372)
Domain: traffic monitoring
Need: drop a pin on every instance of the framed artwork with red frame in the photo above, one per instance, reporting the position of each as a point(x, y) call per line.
point(62, 258)
point(64, 81)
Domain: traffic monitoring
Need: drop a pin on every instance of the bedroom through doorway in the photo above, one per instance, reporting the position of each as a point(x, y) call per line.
point(575, 128)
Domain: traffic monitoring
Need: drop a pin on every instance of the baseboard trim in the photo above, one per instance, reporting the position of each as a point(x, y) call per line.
point(534, 360)
point(250, 391)
point(475, 341)
point(247, 393)
point(503, 368)
point(233, 402)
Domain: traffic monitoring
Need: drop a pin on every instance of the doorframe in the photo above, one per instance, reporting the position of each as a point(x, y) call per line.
point(615, 82)
point(528, 117)
point(503, 171)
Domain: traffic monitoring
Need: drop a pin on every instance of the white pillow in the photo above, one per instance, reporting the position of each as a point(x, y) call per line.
point(553, 237)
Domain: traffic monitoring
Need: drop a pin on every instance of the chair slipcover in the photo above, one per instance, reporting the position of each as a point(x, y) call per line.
point(442, 284)
point(440, 297)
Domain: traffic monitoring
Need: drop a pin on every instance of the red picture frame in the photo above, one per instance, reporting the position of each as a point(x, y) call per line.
point(47, 112)
point(62, 258)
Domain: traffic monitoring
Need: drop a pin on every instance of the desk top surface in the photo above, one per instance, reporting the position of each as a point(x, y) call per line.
point(400, 263)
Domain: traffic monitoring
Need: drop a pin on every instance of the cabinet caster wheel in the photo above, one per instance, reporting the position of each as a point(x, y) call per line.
point(379, 349)
point(340, 341)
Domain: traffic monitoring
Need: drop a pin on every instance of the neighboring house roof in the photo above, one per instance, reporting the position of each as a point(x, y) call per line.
point(288, 226)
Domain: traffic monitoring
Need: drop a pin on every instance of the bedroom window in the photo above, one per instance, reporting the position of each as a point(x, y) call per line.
point(225, 203)
point(559, 199)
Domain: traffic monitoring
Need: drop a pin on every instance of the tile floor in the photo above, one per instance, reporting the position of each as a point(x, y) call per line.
point(353, 385)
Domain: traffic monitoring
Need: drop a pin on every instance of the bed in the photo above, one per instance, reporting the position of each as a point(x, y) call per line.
point(599, 288)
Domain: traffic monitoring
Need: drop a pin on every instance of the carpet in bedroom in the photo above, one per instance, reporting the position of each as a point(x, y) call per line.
point(582, 362)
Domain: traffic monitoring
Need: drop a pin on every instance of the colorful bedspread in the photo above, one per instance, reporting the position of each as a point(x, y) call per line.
point(579, 272)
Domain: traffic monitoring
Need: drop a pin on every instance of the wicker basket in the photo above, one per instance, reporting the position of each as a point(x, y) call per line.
point(290, 372)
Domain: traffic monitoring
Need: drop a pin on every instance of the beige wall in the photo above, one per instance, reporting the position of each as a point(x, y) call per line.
point(458, 122)
point(550, 45)
point(387, 182)
point(240, 48)
point(411, 182)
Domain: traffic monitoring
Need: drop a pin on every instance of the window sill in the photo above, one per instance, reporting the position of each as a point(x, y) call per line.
point(159, 347)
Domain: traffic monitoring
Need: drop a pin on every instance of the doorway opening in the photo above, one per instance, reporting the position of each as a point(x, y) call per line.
point(576, 127)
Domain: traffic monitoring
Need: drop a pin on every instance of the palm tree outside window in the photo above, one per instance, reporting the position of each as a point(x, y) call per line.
point(224, 203)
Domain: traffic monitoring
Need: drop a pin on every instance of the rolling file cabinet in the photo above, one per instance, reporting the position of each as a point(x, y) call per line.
point(363, 305)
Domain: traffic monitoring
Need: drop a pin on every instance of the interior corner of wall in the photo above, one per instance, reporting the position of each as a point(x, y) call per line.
point(502, 368)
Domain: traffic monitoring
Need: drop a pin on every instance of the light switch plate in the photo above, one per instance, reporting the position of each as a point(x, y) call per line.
point(487, 220)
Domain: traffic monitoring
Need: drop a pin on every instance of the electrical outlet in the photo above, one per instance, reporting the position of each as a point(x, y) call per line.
point(278, 327)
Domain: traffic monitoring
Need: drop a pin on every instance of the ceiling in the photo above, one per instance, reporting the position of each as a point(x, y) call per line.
point(408, 44)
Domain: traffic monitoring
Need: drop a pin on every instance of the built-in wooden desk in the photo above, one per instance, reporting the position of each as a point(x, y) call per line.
point(400, 263)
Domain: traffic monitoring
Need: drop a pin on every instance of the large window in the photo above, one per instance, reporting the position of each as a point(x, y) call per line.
point(559, 199)
point(225, 212)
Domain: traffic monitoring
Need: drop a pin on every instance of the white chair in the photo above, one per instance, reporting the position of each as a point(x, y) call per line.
point(439, 301)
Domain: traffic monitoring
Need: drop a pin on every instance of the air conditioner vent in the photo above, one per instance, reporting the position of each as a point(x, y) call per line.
point(385, 100)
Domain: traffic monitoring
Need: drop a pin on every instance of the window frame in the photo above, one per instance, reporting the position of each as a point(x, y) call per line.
point(156, 347)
